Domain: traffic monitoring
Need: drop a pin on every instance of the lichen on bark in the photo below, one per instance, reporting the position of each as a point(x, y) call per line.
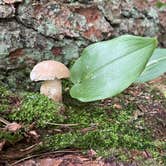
point(33, 31)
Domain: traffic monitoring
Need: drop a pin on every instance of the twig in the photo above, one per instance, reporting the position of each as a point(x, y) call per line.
point(30, 147)
point(38, 155)
point(4, 121)
point(63, 125)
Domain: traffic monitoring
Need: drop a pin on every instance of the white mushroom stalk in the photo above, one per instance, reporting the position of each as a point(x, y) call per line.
point(51, 73)
point(52, 89)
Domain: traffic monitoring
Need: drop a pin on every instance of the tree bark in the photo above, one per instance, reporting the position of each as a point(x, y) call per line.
point(38, 30)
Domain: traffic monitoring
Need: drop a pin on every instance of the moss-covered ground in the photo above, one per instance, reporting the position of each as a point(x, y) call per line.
point(128, 127)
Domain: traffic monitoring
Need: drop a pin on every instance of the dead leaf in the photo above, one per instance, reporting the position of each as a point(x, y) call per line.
point(49, 162)
point(146, 154)
point(117, 106)
point(28, 163)
point(91, 153)
point(34, 134)
point(2, 143)
point(13, 127)
point(137, 114)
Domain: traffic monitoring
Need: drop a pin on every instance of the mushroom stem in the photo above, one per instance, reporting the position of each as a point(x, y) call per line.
point(52, 89)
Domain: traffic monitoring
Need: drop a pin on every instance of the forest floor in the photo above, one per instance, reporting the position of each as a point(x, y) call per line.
point(126, 130)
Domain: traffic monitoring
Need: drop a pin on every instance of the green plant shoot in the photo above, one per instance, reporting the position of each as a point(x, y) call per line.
point(107, 68)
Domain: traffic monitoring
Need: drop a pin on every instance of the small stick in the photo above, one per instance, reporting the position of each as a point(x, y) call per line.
point(4, 121)
point(30, 147)
point(63, 125)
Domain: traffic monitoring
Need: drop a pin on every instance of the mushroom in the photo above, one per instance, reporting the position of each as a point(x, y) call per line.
point(51, 72)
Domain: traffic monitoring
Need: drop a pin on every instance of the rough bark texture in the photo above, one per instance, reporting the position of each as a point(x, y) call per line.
point(32, 31)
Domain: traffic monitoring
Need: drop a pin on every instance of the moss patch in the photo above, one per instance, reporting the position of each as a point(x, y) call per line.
point(4, 95)
point(39, 109)
point(113, 127)
point(105, 129)
point(11, 138)
point(111, 130)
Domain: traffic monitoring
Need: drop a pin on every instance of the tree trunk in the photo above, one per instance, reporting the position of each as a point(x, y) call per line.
point(37, 30)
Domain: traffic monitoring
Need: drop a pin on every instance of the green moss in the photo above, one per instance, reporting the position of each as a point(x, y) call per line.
point(4, 101)
point(102, 130)
point(105, 129)
point(39, 109)
point(10, 137)
point(161, 4)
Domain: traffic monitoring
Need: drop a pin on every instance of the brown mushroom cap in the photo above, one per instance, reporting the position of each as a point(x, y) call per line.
point(49, 70)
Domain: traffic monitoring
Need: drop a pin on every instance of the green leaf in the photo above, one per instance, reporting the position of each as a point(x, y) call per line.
point(155, 67)
point(107, 68)
point(161, 5)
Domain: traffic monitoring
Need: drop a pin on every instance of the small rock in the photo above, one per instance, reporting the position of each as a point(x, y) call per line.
point(6, 11)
